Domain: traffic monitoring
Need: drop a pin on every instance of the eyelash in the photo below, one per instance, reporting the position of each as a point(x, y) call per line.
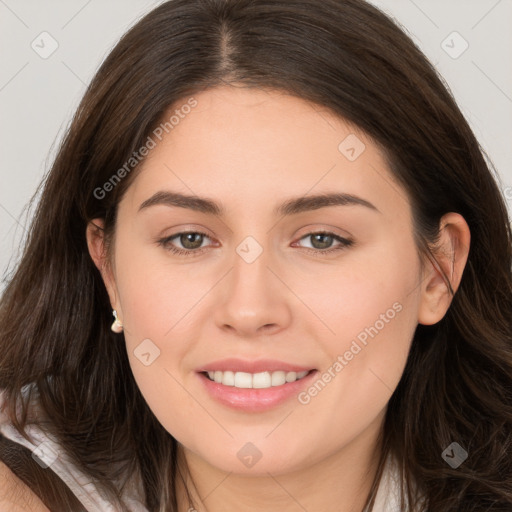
point(165, 242)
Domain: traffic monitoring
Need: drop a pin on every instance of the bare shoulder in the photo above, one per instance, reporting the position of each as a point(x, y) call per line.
point(15, 496)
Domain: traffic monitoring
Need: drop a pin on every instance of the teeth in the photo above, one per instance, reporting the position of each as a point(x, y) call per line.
point(255, 380)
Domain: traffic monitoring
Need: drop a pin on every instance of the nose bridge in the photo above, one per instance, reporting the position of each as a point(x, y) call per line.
point(251, 275)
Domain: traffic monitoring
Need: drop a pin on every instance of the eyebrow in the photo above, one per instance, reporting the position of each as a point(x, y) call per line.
point(289, 207)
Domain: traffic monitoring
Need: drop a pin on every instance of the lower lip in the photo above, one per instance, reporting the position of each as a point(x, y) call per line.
point(255, 400)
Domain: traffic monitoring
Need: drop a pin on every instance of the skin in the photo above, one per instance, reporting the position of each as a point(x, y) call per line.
point(251, 149)
point(15, 496)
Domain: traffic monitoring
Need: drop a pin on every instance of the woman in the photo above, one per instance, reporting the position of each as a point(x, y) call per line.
point(308, 263)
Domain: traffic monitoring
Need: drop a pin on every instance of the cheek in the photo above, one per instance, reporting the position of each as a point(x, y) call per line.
point(155, 293)
point(155, 299)
point(373, 314)
point(370, 296)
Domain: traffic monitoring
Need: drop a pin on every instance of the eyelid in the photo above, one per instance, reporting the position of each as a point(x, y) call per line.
point(323, 228)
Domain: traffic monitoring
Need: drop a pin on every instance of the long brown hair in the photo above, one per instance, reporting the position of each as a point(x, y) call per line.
point(350, 58)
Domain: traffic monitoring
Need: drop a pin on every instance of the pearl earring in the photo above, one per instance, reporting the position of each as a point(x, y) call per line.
point(117, 326)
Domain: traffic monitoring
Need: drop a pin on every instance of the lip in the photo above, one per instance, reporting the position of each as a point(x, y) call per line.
point(261, 365)
point(254, 400)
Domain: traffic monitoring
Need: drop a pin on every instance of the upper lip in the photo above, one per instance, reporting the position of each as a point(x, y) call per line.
point(261, 365)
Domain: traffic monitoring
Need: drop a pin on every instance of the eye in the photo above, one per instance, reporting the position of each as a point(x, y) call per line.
point(321, 242)
point(192, 242)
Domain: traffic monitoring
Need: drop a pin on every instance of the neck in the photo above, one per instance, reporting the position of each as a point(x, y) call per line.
point(340, 482)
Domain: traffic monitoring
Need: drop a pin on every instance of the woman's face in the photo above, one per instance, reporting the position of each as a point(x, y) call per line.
point(264, 292)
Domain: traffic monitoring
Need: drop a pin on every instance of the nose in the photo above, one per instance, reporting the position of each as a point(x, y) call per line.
point(253, 299)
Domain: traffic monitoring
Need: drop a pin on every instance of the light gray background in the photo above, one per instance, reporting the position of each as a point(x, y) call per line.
point(39, 95)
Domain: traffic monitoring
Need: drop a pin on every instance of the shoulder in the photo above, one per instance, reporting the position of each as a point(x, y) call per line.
point(15, 496)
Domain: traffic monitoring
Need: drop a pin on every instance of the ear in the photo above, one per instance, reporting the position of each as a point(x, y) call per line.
point(451, 255)
point(97, 250)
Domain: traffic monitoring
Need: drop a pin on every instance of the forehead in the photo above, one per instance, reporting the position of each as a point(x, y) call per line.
point(242, 145)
